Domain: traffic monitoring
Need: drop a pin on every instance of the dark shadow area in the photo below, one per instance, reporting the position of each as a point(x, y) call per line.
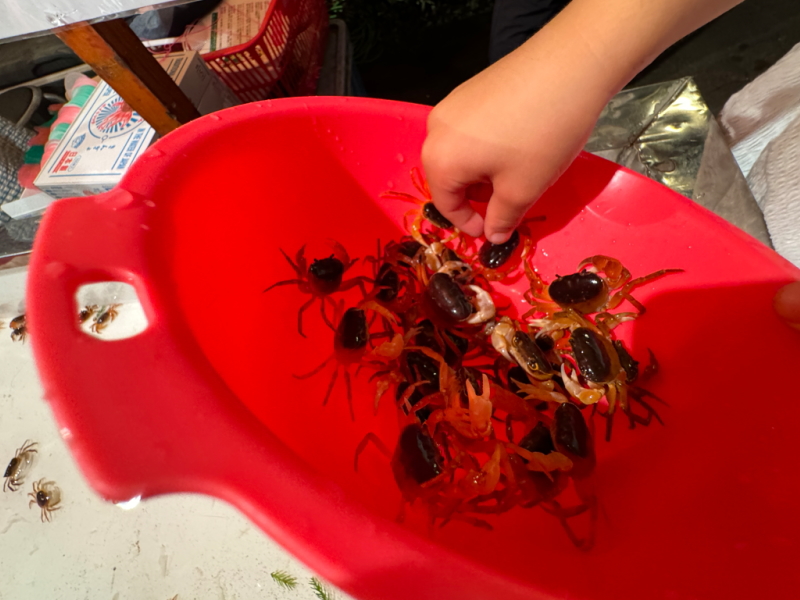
point(731, 51)
point(425, 72)
point(722, 56)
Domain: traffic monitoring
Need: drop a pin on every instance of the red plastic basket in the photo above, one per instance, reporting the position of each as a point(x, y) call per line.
point(284, 59)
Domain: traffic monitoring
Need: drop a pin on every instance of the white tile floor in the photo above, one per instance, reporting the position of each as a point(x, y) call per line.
point(194, 547)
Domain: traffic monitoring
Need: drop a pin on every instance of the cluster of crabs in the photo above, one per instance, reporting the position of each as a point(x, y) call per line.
point(495, 413)
point(46, 494)
point(101, 317)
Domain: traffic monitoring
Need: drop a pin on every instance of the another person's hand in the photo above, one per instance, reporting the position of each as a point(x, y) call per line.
point(787, 304)
point(518, 124)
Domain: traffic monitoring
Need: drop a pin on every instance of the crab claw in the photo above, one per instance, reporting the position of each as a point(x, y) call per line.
point(340, 253)
point(543, 463)
point(577, 391)
point(372, 305)
point(484, 305)
point(539, 392)
point(480, 407)
point(480, 483)
point(502, 332)
point(614, 271)
point(390, 349)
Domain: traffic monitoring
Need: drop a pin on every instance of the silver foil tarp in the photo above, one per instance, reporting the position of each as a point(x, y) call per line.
point(667, 133)
point(664, 131)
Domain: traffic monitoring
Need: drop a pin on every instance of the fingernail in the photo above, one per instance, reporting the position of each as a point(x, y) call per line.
point(499, 237)
point(787, 304)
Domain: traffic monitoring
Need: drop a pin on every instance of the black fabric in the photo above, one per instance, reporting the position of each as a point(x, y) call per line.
point(172, 21)
point(514, 21)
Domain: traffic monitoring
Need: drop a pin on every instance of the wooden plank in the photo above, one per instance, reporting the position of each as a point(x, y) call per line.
point(118, 57)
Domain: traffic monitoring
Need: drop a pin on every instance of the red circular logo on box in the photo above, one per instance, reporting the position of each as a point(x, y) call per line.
point(112, 118)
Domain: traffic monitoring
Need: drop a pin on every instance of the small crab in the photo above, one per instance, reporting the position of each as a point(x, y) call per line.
point(424, 472)
point(572, 437)
point(351, 341)
point(87, 312)
point(321, 278)
point(589, 290)
point(473, 421)
point(485, 397)
point(601, 365)
point(417, 463)
point(535, 382)
point(496, 261)
point(104, 318)
point(47, 496)
point(449, 303)
point(427, 211)
point(19, 329)
point(395, 288)
point(435, 257)
point(520, 348)
point(19, 466)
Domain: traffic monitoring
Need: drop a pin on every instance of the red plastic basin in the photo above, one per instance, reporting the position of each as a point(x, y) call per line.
point(204, 399)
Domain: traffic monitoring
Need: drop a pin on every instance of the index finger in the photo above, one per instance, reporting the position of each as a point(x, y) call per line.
point(451, 200)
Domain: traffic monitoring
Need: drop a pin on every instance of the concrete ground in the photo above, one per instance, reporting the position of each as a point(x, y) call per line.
point(722, 57)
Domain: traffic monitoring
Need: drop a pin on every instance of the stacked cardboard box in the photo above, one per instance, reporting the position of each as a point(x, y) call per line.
point(108, 136)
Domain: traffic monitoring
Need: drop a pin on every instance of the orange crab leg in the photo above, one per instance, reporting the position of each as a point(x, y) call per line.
point(300, 315)
point(356, 281)
point(316, 370)
point(652, 368)
point(616, 274)
point(419, 182)
point(625, 292)
point(284, 282)
point(416, 228)
point(564, 514)
point(334, 377)
point(401, 196)
point(349, 394)
point(300, 265)
point(325, 318)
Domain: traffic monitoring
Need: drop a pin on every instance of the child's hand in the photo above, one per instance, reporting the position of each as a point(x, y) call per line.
point(516, 133)
point(518, 124)
point(787, 304)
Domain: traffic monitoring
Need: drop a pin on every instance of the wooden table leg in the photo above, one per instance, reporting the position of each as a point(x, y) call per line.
point(118, 57)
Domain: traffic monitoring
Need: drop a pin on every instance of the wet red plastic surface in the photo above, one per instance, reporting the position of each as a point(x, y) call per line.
point(204, 400)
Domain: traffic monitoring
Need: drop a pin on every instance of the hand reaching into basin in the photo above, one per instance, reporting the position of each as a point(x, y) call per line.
point(517, 125)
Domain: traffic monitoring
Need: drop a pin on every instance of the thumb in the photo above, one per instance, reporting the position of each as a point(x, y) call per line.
point(787, 304)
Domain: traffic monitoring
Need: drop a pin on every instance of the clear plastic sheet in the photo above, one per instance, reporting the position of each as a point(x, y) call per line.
point(667, 133)
point(663, 131)
point(29, 18)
